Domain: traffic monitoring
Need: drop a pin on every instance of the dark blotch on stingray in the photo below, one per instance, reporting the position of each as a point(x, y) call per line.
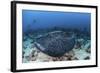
point(56, 43)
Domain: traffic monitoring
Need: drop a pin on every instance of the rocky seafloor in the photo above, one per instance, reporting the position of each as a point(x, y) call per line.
point(81, 51)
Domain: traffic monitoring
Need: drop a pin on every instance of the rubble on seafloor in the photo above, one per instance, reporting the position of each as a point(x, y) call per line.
point(81, 51)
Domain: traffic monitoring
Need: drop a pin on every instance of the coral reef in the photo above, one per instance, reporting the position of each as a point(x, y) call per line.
point(81, 51)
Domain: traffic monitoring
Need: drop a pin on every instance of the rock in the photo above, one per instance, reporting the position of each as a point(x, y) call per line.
point(88, 50)
point(86, 58)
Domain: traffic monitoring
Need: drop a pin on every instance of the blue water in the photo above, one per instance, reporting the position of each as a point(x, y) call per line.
point(36, 20)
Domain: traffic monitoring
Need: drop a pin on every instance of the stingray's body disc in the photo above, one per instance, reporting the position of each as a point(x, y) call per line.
point(55, 44)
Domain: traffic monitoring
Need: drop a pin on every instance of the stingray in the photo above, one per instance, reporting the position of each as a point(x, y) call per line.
point(56, 43)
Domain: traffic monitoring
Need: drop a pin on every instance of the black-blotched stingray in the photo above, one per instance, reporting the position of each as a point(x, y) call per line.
point(56, 43)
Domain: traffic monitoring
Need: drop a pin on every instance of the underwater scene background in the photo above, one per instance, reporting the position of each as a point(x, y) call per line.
point(55, 36)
